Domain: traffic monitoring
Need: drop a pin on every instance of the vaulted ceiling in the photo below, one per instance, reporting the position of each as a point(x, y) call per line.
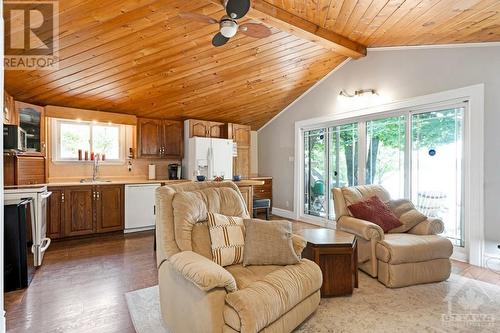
point(139, 57)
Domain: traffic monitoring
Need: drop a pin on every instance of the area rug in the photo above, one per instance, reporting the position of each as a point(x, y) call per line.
point(457, 305)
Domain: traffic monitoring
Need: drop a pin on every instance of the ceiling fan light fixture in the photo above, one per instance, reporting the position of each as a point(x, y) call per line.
point(228, 28)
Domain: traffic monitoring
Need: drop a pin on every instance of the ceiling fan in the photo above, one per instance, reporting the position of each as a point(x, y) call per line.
point(228, 24)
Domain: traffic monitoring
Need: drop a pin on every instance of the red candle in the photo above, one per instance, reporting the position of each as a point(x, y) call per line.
point(92, 156)
point(103, 157)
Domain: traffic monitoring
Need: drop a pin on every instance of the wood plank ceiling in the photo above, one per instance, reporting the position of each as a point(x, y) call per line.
point(139, 57)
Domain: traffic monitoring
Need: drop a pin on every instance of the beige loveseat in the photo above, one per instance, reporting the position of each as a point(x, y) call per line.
point(397, 259)
point(197, 295)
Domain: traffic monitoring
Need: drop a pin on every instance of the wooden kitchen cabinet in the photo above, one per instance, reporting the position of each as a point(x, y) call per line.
point(79, 212)
point(172, 139)
point(264, 191)
point(247, 193)
point(216, 130)
point(29, 169)
point(241, 162)
point(55, 213)
point(23, 169)
point(85, 210)
point(198, 128)
point(206, 129)
point(241, 134)
point(158, 138)
point(109, 210)
point(31, 118)
point(149, 132)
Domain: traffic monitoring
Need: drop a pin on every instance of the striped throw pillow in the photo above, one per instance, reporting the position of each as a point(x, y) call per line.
point(226, 236)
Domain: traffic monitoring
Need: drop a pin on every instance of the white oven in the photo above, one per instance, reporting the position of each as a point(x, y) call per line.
point(38, 195)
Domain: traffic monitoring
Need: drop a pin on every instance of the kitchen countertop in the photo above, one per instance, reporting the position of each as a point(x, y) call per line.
point(118, 182)
point(126, 181)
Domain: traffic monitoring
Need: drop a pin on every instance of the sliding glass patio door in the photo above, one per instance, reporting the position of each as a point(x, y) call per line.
point(437, 168)
point(343, 149)
point(385, 154)
point(413, 154)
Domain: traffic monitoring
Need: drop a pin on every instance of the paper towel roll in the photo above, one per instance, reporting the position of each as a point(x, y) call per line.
point(151, 171)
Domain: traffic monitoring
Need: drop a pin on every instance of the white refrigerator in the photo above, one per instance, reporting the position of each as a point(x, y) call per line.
point(209, 157)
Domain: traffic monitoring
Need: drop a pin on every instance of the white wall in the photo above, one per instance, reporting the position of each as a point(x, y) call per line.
point(396, 75)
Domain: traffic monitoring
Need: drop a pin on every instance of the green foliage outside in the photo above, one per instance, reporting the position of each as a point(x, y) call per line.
point(386, 135)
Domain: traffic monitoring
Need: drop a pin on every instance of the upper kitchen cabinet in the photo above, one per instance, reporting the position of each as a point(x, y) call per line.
point(206, 129)
point(172, 139)
point(9, 111)
point(31, 118)
point(149, 132)
point(159, 138)
point(241, 134)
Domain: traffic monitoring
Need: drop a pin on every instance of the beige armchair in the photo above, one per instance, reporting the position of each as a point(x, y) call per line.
point(397, 259)
point(197, 295)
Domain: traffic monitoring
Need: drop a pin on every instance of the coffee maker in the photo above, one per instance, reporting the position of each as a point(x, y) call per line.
point(174, 171)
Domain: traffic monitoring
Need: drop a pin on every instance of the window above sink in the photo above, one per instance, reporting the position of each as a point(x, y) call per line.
point(70, 136)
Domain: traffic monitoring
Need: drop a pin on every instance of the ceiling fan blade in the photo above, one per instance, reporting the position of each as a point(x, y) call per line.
point(219, 40)
point(255, 30)
point(237, 8)
point(197, 17)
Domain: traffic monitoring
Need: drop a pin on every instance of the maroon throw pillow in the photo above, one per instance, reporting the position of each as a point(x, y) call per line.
point(374, 210)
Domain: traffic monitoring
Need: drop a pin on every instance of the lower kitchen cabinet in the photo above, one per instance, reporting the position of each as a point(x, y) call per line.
point(55, 213)
point(109, 210)
point(84, 210)
point(78, 207)
point(247, 193)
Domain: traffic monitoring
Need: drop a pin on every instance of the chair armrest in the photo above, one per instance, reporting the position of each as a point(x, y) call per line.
point(361, 228)
point(431, 226)
point(202, 272)
point(299, 244)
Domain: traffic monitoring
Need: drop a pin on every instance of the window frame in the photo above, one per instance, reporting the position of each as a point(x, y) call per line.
point(56, 141)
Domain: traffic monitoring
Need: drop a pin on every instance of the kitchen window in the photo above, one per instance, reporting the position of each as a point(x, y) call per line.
point(99, 138)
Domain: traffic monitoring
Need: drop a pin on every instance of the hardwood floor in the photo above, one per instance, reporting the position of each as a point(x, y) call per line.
point(82, 284)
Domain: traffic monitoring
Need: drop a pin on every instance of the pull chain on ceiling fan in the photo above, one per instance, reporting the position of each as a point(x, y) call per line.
point(228, 26)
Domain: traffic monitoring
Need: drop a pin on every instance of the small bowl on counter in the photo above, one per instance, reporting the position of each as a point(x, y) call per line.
point(236, 178)
point(200, 178)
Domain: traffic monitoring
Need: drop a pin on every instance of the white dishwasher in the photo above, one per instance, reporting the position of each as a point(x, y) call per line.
point(140, 207)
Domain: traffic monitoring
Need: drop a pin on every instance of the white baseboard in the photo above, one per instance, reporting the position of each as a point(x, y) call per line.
point(284, 213)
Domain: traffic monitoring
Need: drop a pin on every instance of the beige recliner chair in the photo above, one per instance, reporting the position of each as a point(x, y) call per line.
point(397, 259)
point(198, 295)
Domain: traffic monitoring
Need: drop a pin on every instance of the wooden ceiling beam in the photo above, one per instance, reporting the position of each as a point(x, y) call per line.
point(295, 25)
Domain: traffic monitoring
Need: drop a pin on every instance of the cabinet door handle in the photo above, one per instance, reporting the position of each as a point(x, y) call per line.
point(62, 197)
point(93, 195)
point(97, 195)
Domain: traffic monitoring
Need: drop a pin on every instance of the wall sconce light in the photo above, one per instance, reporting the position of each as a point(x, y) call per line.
point(358, 93)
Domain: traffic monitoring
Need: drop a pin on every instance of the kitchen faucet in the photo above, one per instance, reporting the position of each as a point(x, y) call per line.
point(95, 167)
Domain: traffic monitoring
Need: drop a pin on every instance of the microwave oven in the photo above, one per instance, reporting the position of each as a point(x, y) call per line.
point(14, 137)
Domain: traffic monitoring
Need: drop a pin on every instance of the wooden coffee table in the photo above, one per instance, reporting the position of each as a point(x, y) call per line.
point(336, 253)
